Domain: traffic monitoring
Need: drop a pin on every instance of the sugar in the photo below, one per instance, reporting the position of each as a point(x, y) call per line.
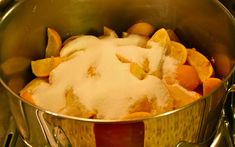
point(110, 89)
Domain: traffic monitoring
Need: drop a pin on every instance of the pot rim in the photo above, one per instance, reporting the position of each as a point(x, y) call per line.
point(225, 80)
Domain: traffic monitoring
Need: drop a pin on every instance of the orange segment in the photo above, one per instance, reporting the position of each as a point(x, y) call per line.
point(110, 32)
point(27, 91)
point(177, 51)
point(43, 67)
point(200, 63)
point(160, 36)
point(210, 84)
point(54, 43)
point(141, 28)
point(15, 65)
point(182, 96)
point(75, 107)
point(137, 71)
point(27, 96)
point(141, 105)
point(187, 77)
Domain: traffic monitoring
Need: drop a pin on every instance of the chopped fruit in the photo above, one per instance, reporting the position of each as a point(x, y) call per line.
point(27, 96)
point(223, 64)
point(161, 36)
point(172, 35)
point(141, 28)
point(210, 84)
point(137, 71)
point(91, 71)
point(177, 51)
point(132, 39)
point(182, 96)
point(54, 43)
point(159, 73)
point(33, 84)
point(70, 39)
point(124, 34)
point(187, 77)
point(110, 32)
point(27, 91)
point(15, 65)
point(74, 107)
point(136, 115)
point(43, 67)
point(169, 79)
point(122, 59)
point(142, 105)
point(146, 65)
point(200, 63)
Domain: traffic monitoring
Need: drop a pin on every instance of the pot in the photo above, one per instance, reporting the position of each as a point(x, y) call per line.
point(206, 25)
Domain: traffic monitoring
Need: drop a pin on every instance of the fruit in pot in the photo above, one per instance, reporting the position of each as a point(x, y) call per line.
point(141, 28)
point(137, 71)
point(43, 67)
point(160, 36)
point(182, 96)
point(201, 64)
point(210, 84)
point(187, 77)
point(54, 43)
point(177, 51)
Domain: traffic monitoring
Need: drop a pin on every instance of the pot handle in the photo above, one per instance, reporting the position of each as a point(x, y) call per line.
point(231, 111)
point(54, 134)
point(225, 131)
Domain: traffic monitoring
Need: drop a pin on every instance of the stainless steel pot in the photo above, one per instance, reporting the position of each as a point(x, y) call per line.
point(206, 25)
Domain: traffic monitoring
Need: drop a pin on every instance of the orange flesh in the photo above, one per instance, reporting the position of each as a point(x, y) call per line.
point(187, 77)
point(210, 84)
point(27, 96)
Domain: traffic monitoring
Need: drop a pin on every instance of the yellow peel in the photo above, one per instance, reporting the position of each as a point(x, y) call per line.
point(177, 51)
point(110, 32)
point(43, 67)
point(54, 43)
point(28, 90)
point(200, 63)
point(181, 96)
point(141, 28)
point(15, 65)
point(160, 36)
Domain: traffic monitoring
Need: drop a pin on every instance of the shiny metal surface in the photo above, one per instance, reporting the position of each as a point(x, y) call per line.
point(4, 115)
point(4, 3)
point(23, 31)
point(9, 136)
